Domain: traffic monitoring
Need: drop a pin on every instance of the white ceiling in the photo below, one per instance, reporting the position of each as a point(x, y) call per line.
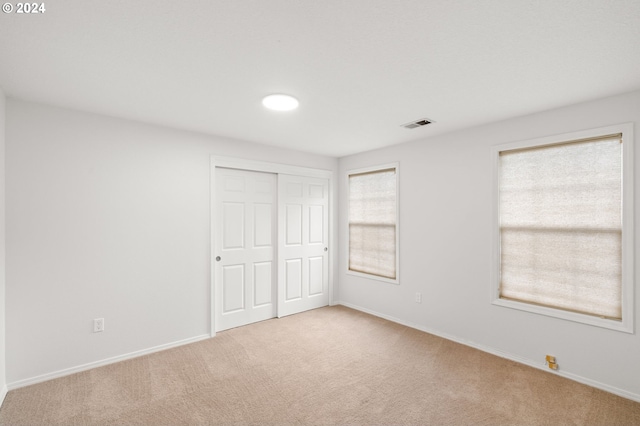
point(360, 68)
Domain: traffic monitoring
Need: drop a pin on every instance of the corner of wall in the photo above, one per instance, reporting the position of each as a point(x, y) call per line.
point(3, 375)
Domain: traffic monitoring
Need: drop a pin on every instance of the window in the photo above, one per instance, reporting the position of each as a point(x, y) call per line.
point(373, 227)
point(564, 226)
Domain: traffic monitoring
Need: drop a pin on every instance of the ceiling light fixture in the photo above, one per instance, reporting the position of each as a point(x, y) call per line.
point(280, 102)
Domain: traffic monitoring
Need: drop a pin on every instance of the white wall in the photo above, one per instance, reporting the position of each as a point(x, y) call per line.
point(107, 218)
point(3, 376)
point(445, 250)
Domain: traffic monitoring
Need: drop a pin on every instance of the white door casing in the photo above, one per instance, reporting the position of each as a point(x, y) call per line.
point(245, 247)
point(303, 241)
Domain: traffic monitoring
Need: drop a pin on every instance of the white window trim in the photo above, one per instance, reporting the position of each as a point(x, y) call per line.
point(627, 322)
point(395, 166)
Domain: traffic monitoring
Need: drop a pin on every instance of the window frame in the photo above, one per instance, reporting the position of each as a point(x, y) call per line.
point(370, 169)
point(627, 257)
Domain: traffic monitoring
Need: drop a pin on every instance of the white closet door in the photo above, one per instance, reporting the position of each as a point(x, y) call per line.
point(303, 235)
point(245, 268)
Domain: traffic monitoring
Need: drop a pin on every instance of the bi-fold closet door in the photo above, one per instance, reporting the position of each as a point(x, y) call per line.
point(270, 245)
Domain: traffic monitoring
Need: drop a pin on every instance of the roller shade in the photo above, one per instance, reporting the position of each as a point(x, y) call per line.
point(561, 226)
point(372, 223)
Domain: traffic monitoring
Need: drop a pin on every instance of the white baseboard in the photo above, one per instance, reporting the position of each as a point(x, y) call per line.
point(580, 379)
point(89, 366)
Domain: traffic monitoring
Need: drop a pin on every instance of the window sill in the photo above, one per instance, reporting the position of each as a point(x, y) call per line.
point(373, 277)
point(611, 324)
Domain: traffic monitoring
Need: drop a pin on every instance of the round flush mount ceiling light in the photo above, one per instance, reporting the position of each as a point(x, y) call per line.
point(280, 102)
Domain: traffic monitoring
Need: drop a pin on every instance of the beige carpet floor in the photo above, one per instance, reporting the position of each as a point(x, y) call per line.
point(327, 366)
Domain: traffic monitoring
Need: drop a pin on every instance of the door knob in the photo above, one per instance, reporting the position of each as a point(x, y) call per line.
point(326, 249)
point(218, 258)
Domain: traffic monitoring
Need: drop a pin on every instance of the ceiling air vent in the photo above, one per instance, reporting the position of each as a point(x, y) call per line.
point(417, 123)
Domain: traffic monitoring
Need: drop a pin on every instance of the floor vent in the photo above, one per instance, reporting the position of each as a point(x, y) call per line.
point(417, 123)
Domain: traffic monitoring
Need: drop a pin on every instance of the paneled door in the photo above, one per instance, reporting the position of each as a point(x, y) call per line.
point(303, 234)
point(245, 247)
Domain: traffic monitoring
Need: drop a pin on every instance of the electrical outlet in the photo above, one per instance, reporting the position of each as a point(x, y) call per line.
point(418, 297)
point(98, 325)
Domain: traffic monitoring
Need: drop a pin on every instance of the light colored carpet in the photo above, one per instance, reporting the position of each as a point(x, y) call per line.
point(327, 366)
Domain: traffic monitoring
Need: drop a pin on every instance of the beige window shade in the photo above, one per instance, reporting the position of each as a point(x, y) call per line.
point(372, 223)
point(561, 226)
